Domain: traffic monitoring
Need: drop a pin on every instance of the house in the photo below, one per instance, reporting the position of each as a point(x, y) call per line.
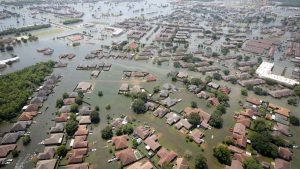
point(150, 106)
point(169, 102)
point(224, 89)
point(85, 111)
point(32, 108)
point(120, 142)
point(79, 144)
point(62, 118)
point(285, 153)
point(78, 166)
point(141, 164)
point(124, 88)
point(235, 149)
point(235, 164)
point(48, 153)
point(19, 126)
point(83, 119)
point(126, 156)
point(161, 112)
point(5, 149)
point(65, 109)
point(81, 131)
point(280, 110)
point(196, 135)
point(239, 129)
point(48, 164)
point(281, 93)
point(183, 123)
point(182, 75)
point(69, 101)
point(151, 143)
point(165, 156)
point(283, 129)
point(75, 159)
point(181, 163)
point(254, 101)
point(249, 113)
point(203, 95)
point(151, 78)
point(172, 118)
point(11, 138)
point(282, 164)
point(37, 100)
point(142, 131)
point(253, 82)
point(164, 93)
point(54, 139)
point(214, 101)
point(239, 134)
point(58, 128)
point(78, 152)
point(244, 120)
point(25, 116)
point(84, 86)
point(213, 85)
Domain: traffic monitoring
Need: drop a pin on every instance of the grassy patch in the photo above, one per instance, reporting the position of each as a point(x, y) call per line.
point(49, 32)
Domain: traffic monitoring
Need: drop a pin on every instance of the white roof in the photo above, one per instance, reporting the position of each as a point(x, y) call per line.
point(265, 71)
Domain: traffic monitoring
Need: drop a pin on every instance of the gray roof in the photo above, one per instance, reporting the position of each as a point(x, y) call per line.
point(18, 126)
point(85, 110)
point(169, 102)
point(11, 138)
point(48, 153)
point(58, 128)
point(65, 109)
point(161, 112)
point(46, 164)
point(54, 139)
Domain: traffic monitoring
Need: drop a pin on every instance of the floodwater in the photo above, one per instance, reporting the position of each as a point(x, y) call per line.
point(110, 81)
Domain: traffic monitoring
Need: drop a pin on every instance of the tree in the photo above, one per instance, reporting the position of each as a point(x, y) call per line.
point(119, 131)
point(222, 153)
point(26, 140)
point(80, 94)
point(261, 142)
point(216, 120)
point(260, 125)
point(107, 133)
point(62, 151)
point(127, 129)
point(59, 103)
point(217, 76)
point(200, 162)
point(194, 104)
point(226, 72)
point(100, 93)
point(294, 120)
point(244, 92)
point(156, 89)
point(74, 108)
point(78, 100)
point(71, 127)
point(251, 163)
point(221, 108)
point(176, 64)
point(196, 81)
point(297, 90)
point(259, 60)
point(15, 153)
point(138, 106)
point(95, 117)
point(194, 119)
point(222, 97)
point(108, 107)
point(142, 95)
point(97, 108)
point(65, 95)
point(135, 144)
point(292, 101)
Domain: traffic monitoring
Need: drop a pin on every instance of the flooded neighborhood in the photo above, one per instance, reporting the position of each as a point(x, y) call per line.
point(149, 84)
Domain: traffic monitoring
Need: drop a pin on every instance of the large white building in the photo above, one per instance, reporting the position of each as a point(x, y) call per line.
point(265, 71)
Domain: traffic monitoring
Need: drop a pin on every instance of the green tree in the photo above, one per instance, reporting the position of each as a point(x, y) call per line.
point(127, 129)
point(244, 92)
point(134, 143)
point(95, 118)
point(107, 133)
point(62, 151)
point(260, 125)
point(26, 140)
point(74, 108)
point(194, 119)
point(221, 108)
point(297, 90)
point(261, 142)
point(119, 131)
point(65, 95)
point(226, 72)
point(108, 107)
point(222, 153)
point(156, 89)
point(59, 103)
point(15, 153)
point(251, 163)
point(97, 108)
point(294, 120)
point(71, 127)
point(200, 162)
point(216, 120)
point(138, 106)
point(194, 104)
point(78, 100)
point(222, 97)
point(100, 93)
point(196, 81)
point(217, 76)
point(80, 94)
point(176, 64)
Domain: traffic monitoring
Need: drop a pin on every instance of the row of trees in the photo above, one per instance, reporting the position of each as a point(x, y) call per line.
point(16, 87)
point(23, 29)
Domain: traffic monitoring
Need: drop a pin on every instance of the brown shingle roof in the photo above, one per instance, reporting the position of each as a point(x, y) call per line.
point(165, 156)
point(120, 142)
point(126, 156)
point(5, 149)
